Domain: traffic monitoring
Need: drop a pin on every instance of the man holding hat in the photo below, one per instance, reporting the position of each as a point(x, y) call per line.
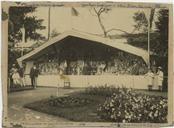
point(160, 78)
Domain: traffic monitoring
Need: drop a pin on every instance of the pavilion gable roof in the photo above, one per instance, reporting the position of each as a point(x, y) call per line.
point(119, 44)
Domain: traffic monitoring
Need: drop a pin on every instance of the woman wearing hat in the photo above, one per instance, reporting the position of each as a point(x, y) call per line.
point(150, 79)
point(160, 78)
point(16, 77)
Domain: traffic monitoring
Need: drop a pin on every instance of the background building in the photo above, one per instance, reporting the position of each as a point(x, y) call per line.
point(87, 59)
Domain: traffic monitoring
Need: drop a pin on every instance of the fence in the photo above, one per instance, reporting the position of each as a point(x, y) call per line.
point(133, 81)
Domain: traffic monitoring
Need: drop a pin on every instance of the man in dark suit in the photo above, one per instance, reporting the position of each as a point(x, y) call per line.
point(34, 72)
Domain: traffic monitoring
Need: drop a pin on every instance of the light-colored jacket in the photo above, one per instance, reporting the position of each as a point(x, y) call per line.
point(160, 78)
point(150, 78)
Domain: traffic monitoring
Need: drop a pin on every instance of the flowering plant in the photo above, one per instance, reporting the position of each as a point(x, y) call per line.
point(103, 90)
point(67, 101)
point(125, 105)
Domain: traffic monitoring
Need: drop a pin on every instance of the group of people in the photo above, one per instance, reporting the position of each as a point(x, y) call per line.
point(95, 67)
point(123, 67)
point(155, 79)
point(17, 77)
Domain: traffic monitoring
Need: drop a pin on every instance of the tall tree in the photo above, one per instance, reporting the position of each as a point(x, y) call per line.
point(162, 29)
point(158, 38)
point(162, 41)
point(98, 13)
point(141, 21)
point(18, 18)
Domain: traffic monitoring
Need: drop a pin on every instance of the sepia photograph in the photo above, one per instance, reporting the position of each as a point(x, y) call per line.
point(86, 62)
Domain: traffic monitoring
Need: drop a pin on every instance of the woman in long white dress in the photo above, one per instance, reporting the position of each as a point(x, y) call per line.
point(160, 78)
point(16, 77)
point(150, 79)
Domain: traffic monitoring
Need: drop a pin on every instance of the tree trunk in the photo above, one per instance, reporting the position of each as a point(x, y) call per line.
point(49, 23)
point(102, 26)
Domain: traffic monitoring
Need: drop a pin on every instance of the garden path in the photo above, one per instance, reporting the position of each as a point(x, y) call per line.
point(16, 101)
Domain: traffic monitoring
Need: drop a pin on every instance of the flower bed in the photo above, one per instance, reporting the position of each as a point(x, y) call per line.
point(125, 105)
point(68, 101)
point(103, 90)
point(107, 104)
point(75, 107)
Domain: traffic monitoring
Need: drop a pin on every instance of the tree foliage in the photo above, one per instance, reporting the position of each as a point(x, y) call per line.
point(162, 29)
point(158, 38)
point(141, 21)
point(18, 18)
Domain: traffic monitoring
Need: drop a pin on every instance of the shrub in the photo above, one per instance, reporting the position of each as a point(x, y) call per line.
point(68, 101)
point(127, 106)
point(101, 90)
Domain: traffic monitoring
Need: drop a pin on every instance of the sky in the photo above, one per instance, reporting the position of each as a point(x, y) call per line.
point(62, 20)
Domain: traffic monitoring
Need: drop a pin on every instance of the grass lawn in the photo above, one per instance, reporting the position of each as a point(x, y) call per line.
point(152, 93)
point(83, 112)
